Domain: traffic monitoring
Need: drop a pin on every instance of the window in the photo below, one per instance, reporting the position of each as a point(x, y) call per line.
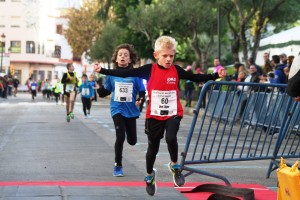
point(39, 49)
point(59, 29)
point(30, 47)
point(57, 51)
point(15, 21)
point(15, 46)
point(2, 47)
point(49, 75)
point(2, 21)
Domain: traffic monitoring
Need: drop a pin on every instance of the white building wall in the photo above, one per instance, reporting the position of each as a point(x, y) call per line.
point(34, 20)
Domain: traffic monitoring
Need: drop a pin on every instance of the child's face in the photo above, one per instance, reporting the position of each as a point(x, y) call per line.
point(71, 68)
point(123, 58)
point(165, 57)
point(84, 79)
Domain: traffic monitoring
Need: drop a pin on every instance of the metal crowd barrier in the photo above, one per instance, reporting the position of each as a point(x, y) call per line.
point(242, 122)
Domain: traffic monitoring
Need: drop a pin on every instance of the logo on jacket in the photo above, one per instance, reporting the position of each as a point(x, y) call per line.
point(171, 80)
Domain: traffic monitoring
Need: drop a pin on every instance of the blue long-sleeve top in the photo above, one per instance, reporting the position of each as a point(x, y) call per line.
point(86, 90)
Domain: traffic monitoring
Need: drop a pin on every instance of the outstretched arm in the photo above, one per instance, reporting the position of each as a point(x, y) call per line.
point(142, 72)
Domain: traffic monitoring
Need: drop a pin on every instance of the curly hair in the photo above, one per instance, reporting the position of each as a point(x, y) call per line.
point(132, 52)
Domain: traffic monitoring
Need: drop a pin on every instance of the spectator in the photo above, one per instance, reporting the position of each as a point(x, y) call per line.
point(217, 65)
point(16, 83)
point(278, 76)
point(200, 86)
point(1, 86)
point(283, 59)
point(9, 85)
point(188, 88)
point(286, 70)
point(293, 87)
point(5, 86)
point(253, 78)
point(251, 61)
point(267, 67)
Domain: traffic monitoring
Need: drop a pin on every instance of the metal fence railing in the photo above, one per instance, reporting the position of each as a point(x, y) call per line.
point(242, 122)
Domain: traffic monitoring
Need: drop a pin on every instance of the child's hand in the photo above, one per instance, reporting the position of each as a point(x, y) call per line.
point(297, 98)
point(97, 67)
point(138, 103)
point(222, 72)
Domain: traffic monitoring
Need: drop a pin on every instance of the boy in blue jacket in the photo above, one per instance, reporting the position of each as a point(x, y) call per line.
point(87, 94)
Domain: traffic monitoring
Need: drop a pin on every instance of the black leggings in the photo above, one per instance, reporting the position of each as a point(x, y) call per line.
point(86, 103)
point(123, 125)
point(57, 96)
point(155, 130)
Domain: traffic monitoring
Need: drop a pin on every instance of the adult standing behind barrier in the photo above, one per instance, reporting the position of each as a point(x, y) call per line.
point(188, 88)
point(293, 87)
point(217, 65)
point(16, 83)
point(164, 111)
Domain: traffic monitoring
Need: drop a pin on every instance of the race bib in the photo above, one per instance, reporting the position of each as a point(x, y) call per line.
point(33, 87)
point(123, 92)
point(70, 87)
point(59, 87)
point(164, 103)
point(85, 91)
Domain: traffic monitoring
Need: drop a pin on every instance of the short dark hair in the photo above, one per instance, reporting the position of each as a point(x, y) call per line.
point(84, 75)
point(251, 60)
point(276, 59)
point(69, 65)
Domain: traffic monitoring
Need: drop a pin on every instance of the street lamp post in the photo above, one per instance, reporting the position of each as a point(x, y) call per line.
point(2, 48)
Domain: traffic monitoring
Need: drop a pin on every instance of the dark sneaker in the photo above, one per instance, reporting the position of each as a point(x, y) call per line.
point(118, 172)
point(71, 115)
point(68, 118)
point(178, 178)
point(151, 183)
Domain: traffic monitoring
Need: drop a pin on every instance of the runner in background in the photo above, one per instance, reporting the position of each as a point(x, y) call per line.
point(87, 94)
point(70, 82)
point(94, 84)
point(57, 90)
point(33, 89)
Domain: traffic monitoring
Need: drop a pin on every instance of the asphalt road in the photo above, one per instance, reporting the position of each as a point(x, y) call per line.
point(37, 144)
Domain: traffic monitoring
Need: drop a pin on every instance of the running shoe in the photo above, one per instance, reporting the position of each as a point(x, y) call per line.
point(68, 118)
point(151, 183)
point(88, 112)
point(118, 172)
point(178, 178)
point(71, 115)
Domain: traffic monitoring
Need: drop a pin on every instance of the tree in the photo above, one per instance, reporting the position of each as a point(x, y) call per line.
point(183, 21)
point(278, 12)
point(83, 27)
point(253, 17)
point(104, 47)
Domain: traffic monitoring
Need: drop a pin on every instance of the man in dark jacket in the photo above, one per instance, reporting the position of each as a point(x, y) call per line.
point(279, 76)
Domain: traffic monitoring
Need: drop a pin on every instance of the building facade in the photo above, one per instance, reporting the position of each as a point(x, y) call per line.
point(34, 45)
